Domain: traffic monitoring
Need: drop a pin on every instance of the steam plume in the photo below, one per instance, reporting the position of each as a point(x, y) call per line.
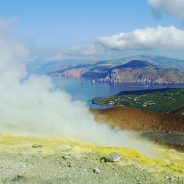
point(33, 106)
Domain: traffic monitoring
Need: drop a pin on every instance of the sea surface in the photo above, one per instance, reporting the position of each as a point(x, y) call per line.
point(85, 89)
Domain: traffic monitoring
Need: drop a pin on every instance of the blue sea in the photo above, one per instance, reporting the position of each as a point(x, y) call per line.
point(85, 89)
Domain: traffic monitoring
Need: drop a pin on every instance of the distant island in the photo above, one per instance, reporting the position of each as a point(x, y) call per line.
point(133, 71)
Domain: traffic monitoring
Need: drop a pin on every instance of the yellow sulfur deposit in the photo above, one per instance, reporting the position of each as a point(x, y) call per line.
point(167, 160)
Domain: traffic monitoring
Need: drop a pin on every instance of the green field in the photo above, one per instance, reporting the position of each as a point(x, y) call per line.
point(169, 100)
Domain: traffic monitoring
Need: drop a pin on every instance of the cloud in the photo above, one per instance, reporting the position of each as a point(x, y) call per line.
point(172, 7)
point(82, 52)
point(164, 38)
point(33, 106)
point(149, 40)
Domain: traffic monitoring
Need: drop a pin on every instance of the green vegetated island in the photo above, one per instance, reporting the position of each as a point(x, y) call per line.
point(165, 100)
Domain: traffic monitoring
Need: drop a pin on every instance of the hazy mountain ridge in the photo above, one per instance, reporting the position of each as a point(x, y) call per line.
point(142, 72)
point(125, 71)
point(160, 61)
point(43, 67)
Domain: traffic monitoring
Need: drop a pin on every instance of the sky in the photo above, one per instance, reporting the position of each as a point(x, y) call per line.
point(84, 29)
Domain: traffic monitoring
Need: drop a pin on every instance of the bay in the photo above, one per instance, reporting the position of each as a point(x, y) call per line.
point(86, 89)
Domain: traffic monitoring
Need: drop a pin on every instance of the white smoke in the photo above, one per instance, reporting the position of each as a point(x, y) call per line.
point(33, 106)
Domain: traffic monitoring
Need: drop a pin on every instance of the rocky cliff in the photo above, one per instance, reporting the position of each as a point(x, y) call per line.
point(134, 71)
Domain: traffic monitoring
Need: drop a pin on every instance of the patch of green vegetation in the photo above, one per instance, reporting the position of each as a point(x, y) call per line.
point(160, 101)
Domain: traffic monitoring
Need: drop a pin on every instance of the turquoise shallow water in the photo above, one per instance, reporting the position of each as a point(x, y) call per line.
point(85, 89)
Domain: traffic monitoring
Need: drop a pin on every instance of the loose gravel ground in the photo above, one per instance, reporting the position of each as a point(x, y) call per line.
point(64, 164)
